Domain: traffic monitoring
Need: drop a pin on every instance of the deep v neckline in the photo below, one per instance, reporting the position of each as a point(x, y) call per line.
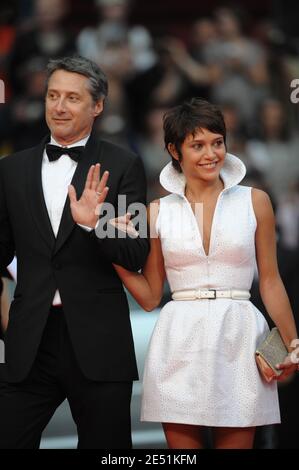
point(198, 231)
point(232, 172)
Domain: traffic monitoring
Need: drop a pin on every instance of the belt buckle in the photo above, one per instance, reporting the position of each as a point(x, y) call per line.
point(212, 290)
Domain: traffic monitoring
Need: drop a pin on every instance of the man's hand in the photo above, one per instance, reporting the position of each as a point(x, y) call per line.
point(86, 210)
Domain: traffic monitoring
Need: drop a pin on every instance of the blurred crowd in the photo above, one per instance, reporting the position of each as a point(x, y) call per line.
point(244, 66)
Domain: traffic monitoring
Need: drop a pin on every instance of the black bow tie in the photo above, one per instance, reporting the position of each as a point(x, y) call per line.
point(54, 152)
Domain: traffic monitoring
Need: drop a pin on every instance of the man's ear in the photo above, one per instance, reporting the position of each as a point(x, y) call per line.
point(98, 107)
point(173, 151)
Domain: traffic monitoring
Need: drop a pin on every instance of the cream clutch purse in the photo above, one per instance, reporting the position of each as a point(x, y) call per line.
point(270, 352)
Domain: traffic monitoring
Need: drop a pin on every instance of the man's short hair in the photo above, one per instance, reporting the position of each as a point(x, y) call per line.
point(98, 83)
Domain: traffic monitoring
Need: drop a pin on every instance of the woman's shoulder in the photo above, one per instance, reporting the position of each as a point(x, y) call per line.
point(261, 203)
point(154, 206)
point(157, 206)
point(153, 211)
point(260, 197)
point(257, 195)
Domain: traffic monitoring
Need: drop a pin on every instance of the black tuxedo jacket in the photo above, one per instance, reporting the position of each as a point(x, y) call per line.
point(77, 263)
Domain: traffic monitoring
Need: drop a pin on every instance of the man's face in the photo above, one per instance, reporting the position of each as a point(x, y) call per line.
point(70, 109)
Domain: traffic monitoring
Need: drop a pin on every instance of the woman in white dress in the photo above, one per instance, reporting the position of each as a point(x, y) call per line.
point(206, 237)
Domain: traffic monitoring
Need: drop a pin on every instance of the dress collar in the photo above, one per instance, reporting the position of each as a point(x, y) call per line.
point(232, 172)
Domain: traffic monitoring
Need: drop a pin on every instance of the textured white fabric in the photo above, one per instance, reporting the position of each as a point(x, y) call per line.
point(56, 177)
point(200, 368)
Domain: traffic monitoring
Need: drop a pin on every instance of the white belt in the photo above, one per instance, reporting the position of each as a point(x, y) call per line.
point(235, 294)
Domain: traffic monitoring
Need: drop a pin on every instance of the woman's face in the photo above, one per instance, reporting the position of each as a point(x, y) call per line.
point(203, 155)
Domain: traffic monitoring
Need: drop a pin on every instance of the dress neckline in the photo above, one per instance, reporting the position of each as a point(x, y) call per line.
point(232, 172)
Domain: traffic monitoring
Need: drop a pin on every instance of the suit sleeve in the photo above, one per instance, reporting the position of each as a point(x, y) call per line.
point(7, 247)
point(131, 253)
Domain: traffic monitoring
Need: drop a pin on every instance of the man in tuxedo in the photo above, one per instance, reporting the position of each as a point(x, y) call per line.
point(69, 333)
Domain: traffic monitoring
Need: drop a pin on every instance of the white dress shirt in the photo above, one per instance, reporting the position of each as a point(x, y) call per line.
point(56, 177)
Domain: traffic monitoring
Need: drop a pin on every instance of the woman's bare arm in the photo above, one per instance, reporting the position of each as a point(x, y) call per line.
point(147, 287)
point(272, 290)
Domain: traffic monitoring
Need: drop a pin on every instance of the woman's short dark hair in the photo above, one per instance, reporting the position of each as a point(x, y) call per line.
point(186, 119)
point(98, 83)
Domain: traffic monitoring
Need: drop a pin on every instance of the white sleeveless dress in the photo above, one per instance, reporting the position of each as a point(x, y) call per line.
point(200, 368)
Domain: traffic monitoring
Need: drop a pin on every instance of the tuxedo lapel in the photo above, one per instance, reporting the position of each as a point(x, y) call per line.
point(89, 157)
point(36, 196)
